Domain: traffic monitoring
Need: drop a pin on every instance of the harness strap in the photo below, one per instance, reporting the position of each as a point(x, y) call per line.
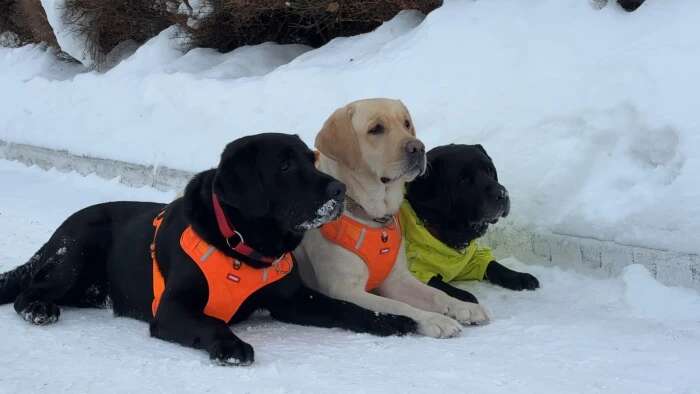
point(158, 280)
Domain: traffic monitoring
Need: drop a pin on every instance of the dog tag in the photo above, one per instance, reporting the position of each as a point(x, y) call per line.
point(385, 237)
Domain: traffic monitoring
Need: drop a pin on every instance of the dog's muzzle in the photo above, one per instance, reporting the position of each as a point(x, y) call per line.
point(415, 156)
point(415, 166)
point(500, 207)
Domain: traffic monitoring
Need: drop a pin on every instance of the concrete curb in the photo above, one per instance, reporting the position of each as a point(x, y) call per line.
point(602, 258)
point(135, 175)
point(594, 256)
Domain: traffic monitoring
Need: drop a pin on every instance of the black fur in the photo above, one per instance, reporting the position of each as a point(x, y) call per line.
point(267, 184)
point(457, 199)
point(630, 5)
point(501, 275)
point(455, 292)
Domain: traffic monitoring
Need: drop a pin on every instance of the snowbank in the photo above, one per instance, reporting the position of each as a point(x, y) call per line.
point(650, 300)
point(589, 114)
point(576, 334)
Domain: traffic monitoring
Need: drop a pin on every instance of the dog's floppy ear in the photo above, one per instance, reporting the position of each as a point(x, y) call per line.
point(237, 181)
point(481, 148)
point(338, 140)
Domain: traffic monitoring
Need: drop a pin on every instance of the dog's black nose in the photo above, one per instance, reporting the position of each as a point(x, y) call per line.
point(497, 192)
point(336, 190)
point(415, 147)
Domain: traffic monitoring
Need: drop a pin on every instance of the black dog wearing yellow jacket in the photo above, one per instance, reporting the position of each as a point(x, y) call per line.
point(446, 211)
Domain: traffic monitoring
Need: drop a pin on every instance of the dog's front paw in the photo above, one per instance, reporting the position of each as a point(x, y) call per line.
point(505, 277)
point(527, 282)
point(467, 312)
point(385, 325)
point(41, 313)
point(438, 326)
point(519, 281)
point(231, 352)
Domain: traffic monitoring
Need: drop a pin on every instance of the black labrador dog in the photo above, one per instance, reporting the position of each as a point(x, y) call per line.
point(456, 200)
point(266, 187)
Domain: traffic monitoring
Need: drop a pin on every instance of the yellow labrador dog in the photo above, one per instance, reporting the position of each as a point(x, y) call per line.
point(371, 146)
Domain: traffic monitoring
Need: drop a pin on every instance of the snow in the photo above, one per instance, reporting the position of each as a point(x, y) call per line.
point(9, 39)
point(69, 41)
point(650, 300)
point(577, 334)
point(589, 114)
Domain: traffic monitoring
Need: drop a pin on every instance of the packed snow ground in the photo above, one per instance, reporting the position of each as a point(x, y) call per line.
point(577, 334)
point(590, 115)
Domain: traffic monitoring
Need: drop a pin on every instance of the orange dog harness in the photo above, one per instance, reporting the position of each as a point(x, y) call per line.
point(230, 283)
point(377, 247)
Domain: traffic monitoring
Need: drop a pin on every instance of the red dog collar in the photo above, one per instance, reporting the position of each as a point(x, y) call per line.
point(228, 232)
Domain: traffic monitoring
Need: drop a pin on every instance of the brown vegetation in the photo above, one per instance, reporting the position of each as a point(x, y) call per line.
point(28, 20)
point(106, 23)
point(226, 25)
point(233, 23)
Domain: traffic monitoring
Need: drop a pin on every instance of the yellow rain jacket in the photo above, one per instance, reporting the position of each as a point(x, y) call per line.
point(428, 257)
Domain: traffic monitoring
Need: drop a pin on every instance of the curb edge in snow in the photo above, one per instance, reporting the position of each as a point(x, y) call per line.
point(595, 256)
point(131, 174)
point(605, 258)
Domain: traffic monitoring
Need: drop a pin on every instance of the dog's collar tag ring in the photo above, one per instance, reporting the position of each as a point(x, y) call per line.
point(240, 239)
point(383, 220)
point(386, 220)
point(228, 232)
point(355, 208)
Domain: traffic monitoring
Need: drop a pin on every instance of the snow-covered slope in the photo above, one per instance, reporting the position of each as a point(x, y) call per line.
point(574, 335)
point(589, 114)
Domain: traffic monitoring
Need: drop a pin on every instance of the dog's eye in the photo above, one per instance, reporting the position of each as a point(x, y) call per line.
point(284, 166)
point(377, 129)
point(407, 124)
